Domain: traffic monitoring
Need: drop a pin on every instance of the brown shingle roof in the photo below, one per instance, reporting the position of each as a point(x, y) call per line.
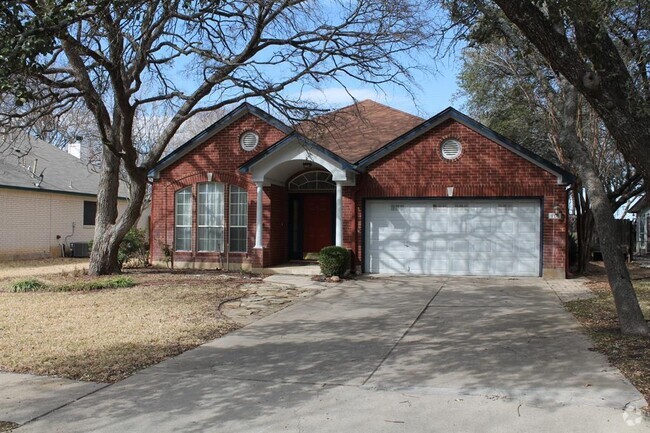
point(357, 130)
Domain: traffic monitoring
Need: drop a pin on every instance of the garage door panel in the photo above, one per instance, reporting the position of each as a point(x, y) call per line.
point(527, 266)
point(505, 226)
point(437, 245)
point(438, 226)
point(503, 266)
point(460, 246)
point(527, 227)
point(479, 267)
point(447, 237)
point(481, 246)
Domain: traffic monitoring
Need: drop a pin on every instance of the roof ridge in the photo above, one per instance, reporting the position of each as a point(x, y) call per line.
point(392, 108)
point(358, 103)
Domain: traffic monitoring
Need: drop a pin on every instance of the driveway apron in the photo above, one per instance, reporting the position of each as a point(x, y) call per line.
point(408, 354)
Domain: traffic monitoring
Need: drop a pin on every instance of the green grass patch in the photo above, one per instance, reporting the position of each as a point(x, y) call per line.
point(99, 284)
point(27, 285)
point(34, 285)
point(630, 354)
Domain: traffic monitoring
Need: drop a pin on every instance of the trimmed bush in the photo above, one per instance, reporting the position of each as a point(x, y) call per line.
point(27, 285)
point(334, 261)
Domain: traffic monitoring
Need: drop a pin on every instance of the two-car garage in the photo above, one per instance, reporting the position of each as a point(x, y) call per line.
point(453, 237)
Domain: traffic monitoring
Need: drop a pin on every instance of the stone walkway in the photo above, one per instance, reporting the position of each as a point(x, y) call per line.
point(571, 290)
point(273, 294)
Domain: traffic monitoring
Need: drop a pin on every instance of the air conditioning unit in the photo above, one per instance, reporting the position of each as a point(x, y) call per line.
point(79, 249)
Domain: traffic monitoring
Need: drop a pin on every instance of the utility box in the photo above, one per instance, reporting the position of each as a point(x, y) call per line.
point(80, 249)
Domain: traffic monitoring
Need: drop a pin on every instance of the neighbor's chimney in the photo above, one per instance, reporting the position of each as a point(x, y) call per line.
point(74, 148)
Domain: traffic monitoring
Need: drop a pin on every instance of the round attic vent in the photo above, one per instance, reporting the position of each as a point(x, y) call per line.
point(249, 140)
point(450, 149)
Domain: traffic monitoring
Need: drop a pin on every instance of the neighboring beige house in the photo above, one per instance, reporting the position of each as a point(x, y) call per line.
point(48, 199)
point(642, 210)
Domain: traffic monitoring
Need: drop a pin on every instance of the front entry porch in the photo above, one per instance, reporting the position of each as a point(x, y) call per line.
point(305, 181)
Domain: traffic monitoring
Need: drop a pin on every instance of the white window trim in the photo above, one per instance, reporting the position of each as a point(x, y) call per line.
point(176, 225)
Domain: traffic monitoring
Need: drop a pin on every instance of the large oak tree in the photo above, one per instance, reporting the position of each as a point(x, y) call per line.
point(128, 58)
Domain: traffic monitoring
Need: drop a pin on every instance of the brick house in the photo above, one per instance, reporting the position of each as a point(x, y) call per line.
point(443, 196)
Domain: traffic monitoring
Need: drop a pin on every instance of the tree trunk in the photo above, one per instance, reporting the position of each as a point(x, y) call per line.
point(629, 312)
point(109, 230)
point(585, 228)
point(630, 315)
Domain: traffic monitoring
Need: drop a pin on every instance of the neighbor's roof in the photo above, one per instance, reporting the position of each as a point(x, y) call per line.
point(61, 171)
point(357, 130)
point(640, 205)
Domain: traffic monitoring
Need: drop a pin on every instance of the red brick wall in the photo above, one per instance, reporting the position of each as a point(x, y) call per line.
point(484, 169)
point(220, 155)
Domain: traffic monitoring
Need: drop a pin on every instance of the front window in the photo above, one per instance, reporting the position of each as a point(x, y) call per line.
point(210, 217)
point(183, 218)
point(238, 219)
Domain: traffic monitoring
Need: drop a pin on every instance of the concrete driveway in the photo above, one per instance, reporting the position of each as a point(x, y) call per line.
point(402, 354)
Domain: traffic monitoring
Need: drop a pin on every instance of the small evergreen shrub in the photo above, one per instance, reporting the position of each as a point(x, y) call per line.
point(334, 261)
point(27, 285)
point(134, 248)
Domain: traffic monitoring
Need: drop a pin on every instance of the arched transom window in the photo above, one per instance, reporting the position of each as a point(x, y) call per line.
point(312, 181)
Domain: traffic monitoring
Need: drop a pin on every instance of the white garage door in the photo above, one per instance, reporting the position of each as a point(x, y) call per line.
point(453, 237)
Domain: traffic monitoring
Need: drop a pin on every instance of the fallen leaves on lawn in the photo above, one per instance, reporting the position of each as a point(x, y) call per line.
point(630, 354)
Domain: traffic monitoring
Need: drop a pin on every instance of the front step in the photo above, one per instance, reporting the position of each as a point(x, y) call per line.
point(293, 268)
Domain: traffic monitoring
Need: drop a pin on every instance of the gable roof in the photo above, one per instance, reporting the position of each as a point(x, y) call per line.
point(217, 126)
point(451, 113)
point(61, 171)
point(359, 129)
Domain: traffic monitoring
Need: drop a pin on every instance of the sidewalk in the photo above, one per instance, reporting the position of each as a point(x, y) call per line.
point(25, 397)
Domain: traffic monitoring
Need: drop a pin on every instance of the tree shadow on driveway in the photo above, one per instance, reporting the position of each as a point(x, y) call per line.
point(510, 338)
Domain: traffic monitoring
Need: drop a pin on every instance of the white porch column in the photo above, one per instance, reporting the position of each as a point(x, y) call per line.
point(339, 215)
point(259, 222)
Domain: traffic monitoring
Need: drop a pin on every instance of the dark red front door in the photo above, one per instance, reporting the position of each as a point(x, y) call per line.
point(317, 222)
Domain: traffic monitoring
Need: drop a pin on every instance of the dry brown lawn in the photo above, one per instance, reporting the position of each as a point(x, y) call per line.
point(26, 268)
point(107, 335)
point(628, 353)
